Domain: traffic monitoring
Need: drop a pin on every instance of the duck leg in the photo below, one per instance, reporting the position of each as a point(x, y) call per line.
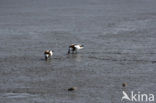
point(46, 57)
point(73, 50)
point(69, 51)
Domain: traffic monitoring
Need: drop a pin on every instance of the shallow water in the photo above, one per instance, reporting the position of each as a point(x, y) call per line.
point(119, 38)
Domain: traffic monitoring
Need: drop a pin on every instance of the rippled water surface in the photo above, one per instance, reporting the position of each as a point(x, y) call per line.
point(120, 46)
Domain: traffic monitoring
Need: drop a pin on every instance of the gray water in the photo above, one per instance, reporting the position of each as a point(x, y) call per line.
point(120, 46)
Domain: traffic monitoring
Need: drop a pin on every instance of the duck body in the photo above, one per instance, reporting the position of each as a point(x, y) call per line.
point(48, 54)
point(72, 89)
point(74, 47)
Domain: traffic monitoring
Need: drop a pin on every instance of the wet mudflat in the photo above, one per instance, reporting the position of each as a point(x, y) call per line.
point(119, 38)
